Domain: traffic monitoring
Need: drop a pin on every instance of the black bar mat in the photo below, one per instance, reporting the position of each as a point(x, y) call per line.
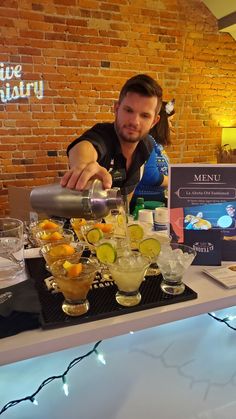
point(101, 298)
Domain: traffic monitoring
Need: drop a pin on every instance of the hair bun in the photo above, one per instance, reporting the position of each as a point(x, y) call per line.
point(170, 107)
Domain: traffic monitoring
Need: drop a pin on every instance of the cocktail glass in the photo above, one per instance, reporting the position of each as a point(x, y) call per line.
point(61, 251)
point(11, 248)
point(173, 262)
point(128, 273)
point(76, 224)
point(75, 289)
point(120, 246)
point(99, 232)
point(47, 225)
point(63, 236)
point(164, 239)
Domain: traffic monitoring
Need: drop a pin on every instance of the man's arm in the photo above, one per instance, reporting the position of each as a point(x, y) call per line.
point(83, 167)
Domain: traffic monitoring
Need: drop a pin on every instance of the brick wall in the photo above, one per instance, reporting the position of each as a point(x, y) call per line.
point(83, 51)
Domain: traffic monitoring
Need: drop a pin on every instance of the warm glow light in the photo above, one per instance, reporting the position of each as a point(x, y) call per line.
point(229, 136)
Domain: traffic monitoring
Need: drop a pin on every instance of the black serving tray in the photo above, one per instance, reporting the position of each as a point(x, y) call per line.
point(101, 298)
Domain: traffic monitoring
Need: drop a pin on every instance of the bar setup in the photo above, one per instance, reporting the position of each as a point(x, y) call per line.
point(90, 285)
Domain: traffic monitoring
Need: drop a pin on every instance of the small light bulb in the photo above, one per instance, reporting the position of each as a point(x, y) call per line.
point(65, 386)
point(101, 358)
point(231, 318)
point(131, 332)
point(66, 389)
point(34, 401)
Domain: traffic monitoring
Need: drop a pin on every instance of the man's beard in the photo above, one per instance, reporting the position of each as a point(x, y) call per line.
point(128, 138)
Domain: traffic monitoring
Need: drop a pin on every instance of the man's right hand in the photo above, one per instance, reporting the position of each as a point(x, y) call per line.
point(78, 177)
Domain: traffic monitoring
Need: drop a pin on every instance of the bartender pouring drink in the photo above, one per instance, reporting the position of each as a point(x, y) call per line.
point(114, 152)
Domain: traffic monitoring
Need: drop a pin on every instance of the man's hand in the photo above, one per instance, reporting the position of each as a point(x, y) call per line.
point(78, 177)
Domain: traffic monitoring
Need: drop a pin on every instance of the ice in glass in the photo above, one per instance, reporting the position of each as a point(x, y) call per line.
point(173, 261)
point(128, 273)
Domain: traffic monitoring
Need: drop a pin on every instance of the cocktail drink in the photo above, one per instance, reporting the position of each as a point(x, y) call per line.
point(11, 248)
point(135, 233)
point(173, 261)
point(64, 236)
point(119, 220)
point(76, 224)
point(150, 246)
point(128, 273)
point(94, 232)
point(107, 251)
point(63, 251)
point(46, 225)
point(74, 278)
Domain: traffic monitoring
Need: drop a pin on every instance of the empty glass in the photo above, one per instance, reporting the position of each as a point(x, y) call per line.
point(11, 248)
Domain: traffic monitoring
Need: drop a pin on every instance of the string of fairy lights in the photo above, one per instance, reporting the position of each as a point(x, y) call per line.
point(225, 320)
point(63, 377)
point(32, 397)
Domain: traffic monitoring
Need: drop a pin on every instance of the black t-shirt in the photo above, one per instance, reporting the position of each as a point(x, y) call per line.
point(104, 138)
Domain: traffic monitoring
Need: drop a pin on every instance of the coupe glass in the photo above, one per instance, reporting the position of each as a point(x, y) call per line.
point(63, 251)
point(173, 261)
point(164, 238)
point(76, 224)
point(47, 225)
point(75, 289)
point(63, 236)
point(128, 273)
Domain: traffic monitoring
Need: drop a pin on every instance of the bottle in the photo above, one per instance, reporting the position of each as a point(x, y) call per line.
point(161, 219)
point(139, 205)
point(92, 203)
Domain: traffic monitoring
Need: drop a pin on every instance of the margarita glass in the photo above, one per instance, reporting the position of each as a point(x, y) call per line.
point(62, 251)
point(75, 285)
point(64, 236)
point(173, 262)
point(76, 224)
point(128, 273)
point(46, 225)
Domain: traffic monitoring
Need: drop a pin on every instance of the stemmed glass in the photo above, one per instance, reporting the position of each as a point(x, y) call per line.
point(128, 273)
point(94, 232)
point(47, 225)
point(57, 237)
point(74, 283)
point(173, 262)
point(53, 252)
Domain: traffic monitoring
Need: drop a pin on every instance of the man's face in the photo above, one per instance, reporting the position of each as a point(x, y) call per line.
point(230, 211)
point(135, 115)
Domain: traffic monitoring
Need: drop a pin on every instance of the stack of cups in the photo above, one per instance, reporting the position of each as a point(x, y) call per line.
point(161, 219)
point(145, 217)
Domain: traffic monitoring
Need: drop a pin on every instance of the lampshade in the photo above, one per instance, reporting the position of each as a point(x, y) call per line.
point(229, 136)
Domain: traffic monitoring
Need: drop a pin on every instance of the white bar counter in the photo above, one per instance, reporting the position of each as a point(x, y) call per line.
point(29, 344)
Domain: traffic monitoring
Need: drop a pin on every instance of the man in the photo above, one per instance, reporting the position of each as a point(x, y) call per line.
point(114, 152)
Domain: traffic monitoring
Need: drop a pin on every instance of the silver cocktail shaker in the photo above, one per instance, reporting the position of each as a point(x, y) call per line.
point(91, 203)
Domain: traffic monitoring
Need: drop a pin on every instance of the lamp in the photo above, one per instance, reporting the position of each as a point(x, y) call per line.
point(229, 136)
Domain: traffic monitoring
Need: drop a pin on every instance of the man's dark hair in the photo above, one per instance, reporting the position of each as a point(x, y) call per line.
point(143, 85)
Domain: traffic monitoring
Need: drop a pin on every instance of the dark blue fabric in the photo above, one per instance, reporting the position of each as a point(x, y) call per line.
point(155, 168)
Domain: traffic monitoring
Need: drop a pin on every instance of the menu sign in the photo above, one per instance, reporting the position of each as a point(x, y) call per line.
point(202, 198)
